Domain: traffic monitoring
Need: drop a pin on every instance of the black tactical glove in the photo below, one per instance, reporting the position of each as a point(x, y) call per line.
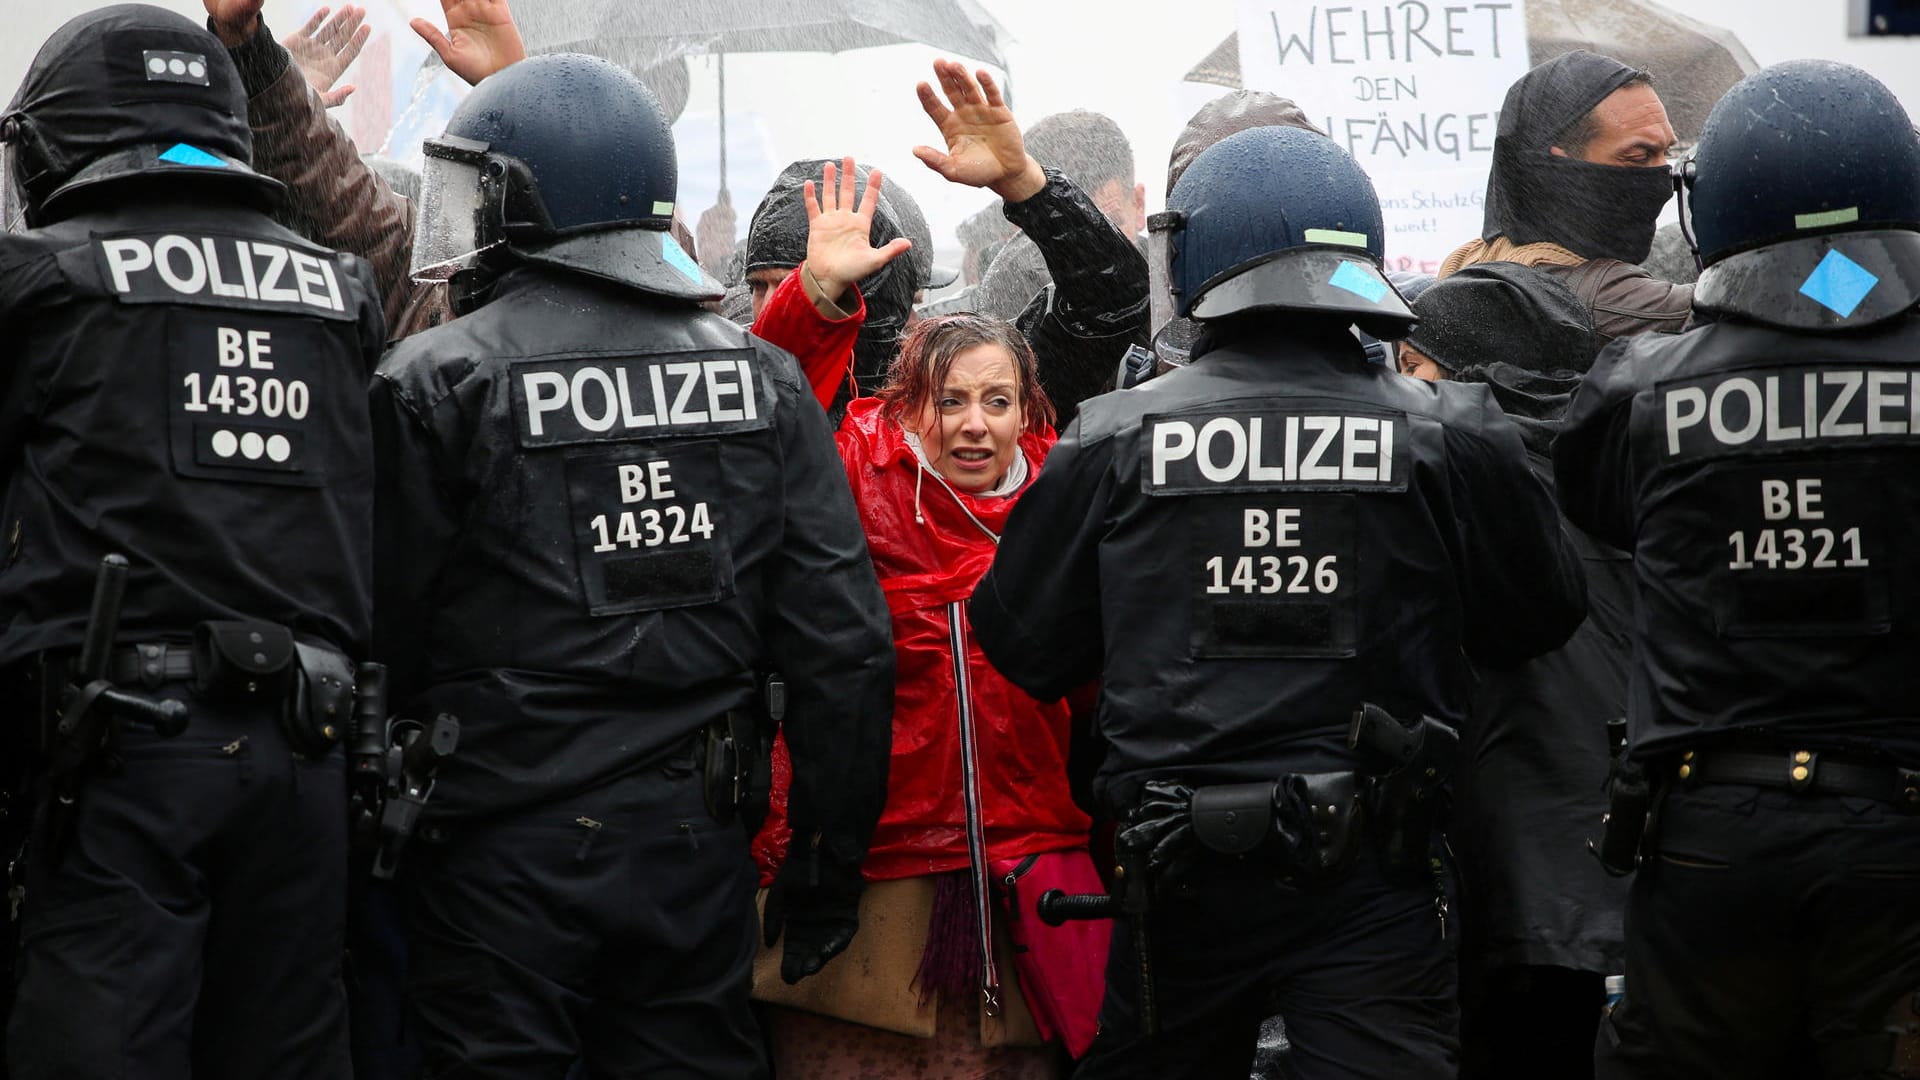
point(817, 903)
point(1159, 832)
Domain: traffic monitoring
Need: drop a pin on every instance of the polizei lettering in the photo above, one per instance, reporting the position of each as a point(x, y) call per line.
point(557, 402)
point(1783, 407)
point(1273, 450)
point(223, 270)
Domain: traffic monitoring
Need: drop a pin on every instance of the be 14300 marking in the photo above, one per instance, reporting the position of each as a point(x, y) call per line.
point(243, 395)
point(246, 395)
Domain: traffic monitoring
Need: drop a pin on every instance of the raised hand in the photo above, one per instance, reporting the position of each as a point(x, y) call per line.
point(324, 48)
point(234, 21)
point(840, 249)
point(480, 39)
point(984, 147)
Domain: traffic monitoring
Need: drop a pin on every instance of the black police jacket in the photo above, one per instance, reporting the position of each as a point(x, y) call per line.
point(598, 514)
point(1767, 484)
point(1247, 548)
point(187, 387)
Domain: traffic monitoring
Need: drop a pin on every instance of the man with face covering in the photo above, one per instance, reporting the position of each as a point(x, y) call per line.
point(1579, 177)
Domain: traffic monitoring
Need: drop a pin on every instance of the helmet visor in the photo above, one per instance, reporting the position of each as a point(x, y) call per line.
point(1330, 280)
point(1160, 230)
point(449, 229)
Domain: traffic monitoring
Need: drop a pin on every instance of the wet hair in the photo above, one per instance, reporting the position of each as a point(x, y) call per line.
point(926, 355)
point(1087, 146)
point(1580, 134)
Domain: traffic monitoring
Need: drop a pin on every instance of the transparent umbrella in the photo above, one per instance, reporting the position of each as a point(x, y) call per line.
point(642, 34)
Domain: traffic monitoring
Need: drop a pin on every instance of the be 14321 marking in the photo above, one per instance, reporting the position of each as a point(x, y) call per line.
point(1790, 548)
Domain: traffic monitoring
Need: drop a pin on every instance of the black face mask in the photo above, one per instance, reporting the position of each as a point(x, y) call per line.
point(1599, 211)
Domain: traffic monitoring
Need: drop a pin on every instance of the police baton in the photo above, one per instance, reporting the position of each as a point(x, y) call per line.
point(90, 701)
point(1057, 906)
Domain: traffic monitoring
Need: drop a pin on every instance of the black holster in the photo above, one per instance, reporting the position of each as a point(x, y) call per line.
point(1329, 811)
point(728, 762)
point(1624, 826)
point(1406, 788)
point(320, 708)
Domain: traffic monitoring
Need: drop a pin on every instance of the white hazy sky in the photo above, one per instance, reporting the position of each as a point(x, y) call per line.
point(1122, 57)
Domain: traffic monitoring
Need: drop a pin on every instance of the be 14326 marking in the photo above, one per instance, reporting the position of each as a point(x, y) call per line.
point(1270, 574)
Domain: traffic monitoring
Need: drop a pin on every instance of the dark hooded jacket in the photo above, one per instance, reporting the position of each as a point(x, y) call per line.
point(1586, 223)
point(777, 240)
point(1536, 745)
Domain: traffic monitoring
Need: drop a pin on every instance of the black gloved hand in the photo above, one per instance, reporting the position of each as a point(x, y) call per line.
point(1160, 829)
point(816, 902)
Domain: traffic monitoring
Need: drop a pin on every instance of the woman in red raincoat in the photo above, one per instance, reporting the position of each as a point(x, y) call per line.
point(977, 792)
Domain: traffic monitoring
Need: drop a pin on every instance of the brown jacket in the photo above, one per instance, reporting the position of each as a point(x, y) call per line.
point(333, 197)
point(1623, 298)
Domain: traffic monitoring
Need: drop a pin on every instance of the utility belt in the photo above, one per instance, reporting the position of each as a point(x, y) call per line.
point(308, 684)
point(1631, 823)
point(1308, 829)
point(1312, 827)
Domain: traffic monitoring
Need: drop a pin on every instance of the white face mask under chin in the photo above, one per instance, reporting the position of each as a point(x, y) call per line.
point(1015, 478)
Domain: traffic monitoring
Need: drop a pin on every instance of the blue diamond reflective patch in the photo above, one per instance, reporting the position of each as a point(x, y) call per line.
point(677, 257)
point(182, 154)
point(1353, 278)
point(1838, 284)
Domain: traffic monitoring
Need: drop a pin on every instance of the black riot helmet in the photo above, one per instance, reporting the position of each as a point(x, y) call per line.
point(1278, 219)
point(564, 160)
point(1805, 193)
point(124, 94)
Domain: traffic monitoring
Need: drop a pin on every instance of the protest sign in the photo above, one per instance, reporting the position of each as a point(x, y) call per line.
point(1411, 88)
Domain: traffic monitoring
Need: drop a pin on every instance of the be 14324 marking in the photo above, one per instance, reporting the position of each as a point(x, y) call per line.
point(649, 526)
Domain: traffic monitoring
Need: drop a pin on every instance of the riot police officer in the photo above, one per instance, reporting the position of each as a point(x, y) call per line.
point(186, 389)
point(1761, 470)
point(1248, 551)
point(600, 510)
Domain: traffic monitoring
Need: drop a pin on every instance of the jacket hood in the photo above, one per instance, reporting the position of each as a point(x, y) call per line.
point(777, 239)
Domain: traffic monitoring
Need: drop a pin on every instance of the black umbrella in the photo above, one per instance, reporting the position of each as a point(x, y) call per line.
point(643, 34)
point(1692, 62)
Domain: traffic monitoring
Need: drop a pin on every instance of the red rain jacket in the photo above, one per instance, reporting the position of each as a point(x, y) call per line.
point(929, 554)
